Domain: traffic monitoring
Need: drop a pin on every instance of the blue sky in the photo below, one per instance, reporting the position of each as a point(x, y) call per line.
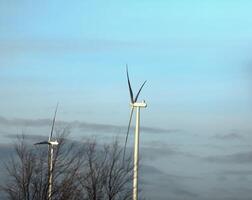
point(195, 56)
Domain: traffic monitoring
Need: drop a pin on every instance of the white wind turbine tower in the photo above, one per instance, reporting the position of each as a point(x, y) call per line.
point(51, 143)
point(134, 104)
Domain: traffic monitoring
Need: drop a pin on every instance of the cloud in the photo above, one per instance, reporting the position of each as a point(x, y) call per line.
point(150, 153)
point(222, 193)
point(63, 46)
point(25, 122)
point(230, 136)
point(28, 137)
point(237, 172)
point(78, 124)
point(238, 158)
point(148, 169)
point(157, 184)
point(5, 150)
point(153, 153)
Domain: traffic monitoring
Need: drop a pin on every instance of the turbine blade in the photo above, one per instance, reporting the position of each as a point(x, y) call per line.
point(44, 142)
point(54, 118)
point(130, 89)
point(128, 129)
point(140, 91)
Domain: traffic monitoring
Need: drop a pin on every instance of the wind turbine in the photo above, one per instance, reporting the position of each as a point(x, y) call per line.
point(51, 143)
point(134, 104)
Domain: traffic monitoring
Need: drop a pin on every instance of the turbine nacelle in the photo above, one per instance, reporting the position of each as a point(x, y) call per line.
point(138, 104)
point(53, 143)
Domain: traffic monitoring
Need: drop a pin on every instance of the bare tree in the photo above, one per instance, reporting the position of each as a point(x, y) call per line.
point(28, 172)
point(21, 171)
point(81, 171)
point(118, 175)
point(105, 177)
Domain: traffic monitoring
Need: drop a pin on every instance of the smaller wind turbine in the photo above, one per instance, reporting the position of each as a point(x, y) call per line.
point(134, 104)
point(51, 143)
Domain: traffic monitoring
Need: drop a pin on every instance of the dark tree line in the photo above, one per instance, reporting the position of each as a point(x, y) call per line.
point(81, 171)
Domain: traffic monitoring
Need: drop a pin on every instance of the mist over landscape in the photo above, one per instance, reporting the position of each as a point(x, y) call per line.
point(174, 163)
